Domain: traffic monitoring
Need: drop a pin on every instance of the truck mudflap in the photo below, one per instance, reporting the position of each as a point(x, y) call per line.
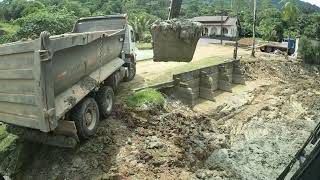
point(64, 136)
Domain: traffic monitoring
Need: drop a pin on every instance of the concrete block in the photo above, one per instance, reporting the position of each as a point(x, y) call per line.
point(187, 76)
point(206, 93)
point(186, 95)
point(238, 79)
point(209, 82)
point(210, 70)
point(237, 71)
point(225, 86)
point(194, 83)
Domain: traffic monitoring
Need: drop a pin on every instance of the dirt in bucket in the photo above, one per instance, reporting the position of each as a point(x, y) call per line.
point(175, 40)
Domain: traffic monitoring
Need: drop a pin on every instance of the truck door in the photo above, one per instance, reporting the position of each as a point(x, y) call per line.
point(132, 42)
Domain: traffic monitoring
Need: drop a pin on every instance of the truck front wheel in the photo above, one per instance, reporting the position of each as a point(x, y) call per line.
point(131, 71)
point(86, 117)
point(105, 99)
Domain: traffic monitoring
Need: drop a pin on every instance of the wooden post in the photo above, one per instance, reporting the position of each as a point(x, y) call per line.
point(235, 54)
point(254, 28)
point(221, 32)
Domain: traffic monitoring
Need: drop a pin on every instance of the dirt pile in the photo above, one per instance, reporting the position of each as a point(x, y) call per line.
point(175, 40)
point(267, 131)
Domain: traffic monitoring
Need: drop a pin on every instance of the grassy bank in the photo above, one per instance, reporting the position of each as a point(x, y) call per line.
point(144, 46)
point(167, 75)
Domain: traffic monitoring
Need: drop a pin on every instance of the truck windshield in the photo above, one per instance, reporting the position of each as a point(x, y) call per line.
point(100, 25)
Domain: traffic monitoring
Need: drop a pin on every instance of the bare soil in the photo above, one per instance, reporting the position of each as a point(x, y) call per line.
point(251, 133)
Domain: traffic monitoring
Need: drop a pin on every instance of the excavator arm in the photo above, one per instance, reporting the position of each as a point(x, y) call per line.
point(175, 8)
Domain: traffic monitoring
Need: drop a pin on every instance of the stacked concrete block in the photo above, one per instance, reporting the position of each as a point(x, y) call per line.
point(202, 83)
point(225, 76)
point(237, 75)
point(187, 87)
point(208, 82)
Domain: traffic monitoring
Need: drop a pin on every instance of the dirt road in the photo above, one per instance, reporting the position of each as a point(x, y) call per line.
point(251, 133)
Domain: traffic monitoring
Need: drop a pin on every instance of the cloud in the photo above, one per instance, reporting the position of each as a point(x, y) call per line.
point(315, 2)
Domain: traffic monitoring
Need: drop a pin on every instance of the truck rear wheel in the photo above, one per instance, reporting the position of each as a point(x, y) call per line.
point(105, 100)
point(131, 71)
point(86, 117)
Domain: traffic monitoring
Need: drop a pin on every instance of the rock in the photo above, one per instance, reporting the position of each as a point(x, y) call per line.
point(105, 176)
point(219, 158)
point(204, 174)
point(129, 141)
point(153, 142)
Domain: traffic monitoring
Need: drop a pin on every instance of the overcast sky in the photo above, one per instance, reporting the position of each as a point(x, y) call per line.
point(316, 2)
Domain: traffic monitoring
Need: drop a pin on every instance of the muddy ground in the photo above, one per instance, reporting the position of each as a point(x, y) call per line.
point(251, 133)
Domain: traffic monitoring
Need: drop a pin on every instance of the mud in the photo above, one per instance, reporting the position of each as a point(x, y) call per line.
point(251, 133)
point(175, 40)
point(88, 83)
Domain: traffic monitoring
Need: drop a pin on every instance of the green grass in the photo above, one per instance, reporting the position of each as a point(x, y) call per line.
point(146, 97)
point(199, 64)
point(167, 75)
point(9, 28)
point(143, 46)
point(3, 132)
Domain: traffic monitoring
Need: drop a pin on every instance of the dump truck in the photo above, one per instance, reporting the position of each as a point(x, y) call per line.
point(55, 89)
point(285, 46)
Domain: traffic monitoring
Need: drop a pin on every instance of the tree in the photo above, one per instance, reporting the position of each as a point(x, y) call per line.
point(56, 22)
point(141, 24)
point(76, 7)
point(290, 14)
point(271, 25)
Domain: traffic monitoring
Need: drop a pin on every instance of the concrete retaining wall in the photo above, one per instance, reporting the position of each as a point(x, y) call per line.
point(202, 83)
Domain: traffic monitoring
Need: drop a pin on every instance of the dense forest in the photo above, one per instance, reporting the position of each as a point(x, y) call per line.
point(27, 18)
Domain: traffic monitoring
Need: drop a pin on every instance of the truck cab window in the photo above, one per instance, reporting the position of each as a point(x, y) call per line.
point(133, 39)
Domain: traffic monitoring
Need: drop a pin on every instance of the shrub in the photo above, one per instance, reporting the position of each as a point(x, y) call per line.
point(147, 37)
point(6, 38)
point(310, 51)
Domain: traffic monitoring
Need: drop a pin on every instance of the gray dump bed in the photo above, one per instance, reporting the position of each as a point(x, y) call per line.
point(41, 80)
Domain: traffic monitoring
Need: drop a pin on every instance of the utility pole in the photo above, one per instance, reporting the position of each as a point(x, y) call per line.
point(221, 32)
point(253, 54)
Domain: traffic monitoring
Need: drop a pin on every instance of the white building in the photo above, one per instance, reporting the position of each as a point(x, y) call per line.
point(212, 25)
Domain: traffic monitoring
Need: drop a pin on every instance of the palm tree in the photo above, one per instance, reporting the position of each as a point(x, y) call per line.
point(140, 25)
point(290, 14)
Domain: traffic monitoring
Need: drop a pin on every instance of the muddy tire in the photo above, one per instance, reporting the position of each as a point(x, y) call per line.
point(269, 49)
point(86, 117)
point(105, 100)
point(131, 71)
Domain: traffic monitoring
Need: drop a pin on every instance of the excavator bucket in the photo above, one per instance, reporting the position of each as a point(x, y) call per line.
point(175, 40)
